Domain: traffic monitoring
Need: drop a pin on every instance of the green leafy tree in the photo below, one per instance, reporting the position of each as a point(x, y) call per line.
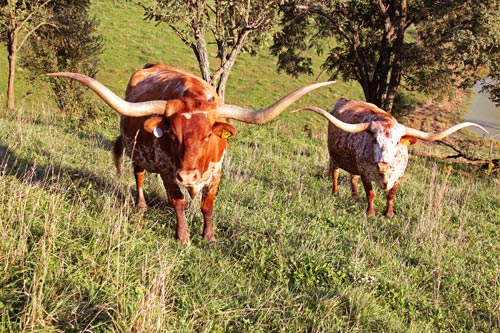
point(19, 20)
point(430, 46)
point(234, 26)
point(73, 46)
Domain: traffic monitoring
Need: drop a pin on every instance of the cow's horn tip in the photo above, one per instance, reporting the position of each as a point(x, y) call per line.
point(56, 74)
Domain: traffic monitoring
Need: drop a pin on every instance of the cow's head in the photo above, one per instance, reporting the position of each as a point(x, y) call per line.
point(387, 150)
point(192, 132)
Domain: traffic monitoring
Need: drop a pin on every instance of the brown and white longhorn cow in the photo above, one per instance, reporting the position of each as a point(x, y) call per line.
point(173, 123)
point(369, 142)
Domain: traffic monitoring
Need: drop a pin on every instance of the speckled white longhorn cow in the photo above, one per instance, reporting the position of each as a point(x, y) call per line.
point(173, 123)
point(369, 142)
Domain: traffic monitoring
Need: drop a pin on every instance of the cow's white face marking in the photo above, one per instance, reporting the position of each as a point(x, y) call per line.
point(207, 178)
point(386, 140)
point(190, 114)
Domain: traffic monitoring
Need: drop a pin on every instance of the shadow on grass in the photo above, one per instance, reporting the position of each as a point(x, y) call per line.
point(75, 182)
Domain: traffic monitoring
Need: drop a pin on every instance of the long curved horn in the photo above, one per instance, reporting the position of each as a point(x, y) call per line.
point(351, 128)
point(264, 115)
point(118, 104)
point(439, 135)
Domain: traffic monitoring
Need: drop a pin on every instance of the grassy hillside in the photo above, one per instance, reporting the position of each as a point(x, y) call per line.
point(76, 257)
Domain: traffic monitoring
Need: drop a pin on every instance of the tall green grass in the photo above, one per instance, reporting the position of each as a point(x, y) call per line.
point(75, 256)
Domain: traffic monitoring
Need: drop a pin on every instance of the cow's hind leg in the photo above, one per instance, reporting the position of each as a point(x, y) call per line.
point(118, 154)
point(354, 186)
point(334, 171)
point(335, 180)
point(139, 182)
point(370, 195)
point(177, 200)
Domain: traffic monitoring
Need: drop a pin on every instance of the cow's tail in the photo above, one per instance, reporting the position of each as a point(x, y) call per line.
point(118, 154)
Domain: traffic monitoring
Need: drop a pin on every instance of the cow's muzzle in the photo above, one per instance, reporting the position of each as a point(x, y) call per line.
point(383, 167)
point(188, 177)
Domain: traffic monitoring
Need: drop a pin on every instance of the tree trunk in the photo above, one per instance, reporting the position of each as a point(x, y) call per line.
point(202, 55)
point(12, 57)
point(10, 85)
point(396, 67)
point(370, 94)
point(221, 85)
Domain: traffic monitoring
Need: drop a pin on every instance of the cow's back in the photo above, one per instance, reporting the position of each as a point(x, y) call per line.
point(162, 82)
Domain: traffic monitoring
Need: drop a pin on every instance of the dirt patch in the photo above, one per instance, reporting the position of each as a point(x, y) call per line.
point(461, 147)
point(438, 114)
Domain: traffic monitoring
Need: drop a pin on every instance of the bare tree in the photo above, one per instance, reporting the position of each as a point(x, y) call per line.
point(19, 20)
point(233, 26)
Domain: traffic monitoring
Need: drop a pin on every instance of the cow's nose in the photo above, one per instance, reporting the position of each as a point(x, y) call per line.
point(382, 167)
point(188, 177)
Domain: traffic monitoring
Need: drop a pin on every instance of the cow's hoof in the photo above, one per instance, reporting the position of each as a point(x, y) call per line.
point(389, 214)
point(142, 209)
point(184, 238)
point(209, 237)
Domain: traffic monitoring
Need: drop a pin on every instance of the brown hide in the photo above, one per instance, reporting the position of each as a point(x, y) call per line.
point(162, 82)
point(192, 143)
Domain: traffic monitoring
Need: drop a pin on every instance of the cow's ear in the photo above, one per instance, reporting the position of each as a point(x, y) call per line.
point(408, 140)
point(153, 125)
point(223, 130)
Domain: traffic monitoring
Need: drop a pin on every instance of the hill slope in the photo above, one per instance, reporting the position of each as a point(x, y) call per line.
point(75, 256)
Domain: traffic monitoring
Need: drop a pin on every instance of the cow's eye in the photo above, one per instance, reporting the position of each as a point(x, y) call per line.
point(171, 135)
point(207, 137)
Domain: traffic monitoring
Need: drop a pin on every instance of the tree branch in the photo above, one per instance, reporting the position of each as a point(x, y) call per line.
point(26, 20)
point(29, 33)
point(459, 152)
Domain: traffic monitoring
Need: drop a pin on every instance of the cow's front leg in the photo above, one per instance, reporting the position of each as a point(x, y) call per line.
point(177, 200)
point(207, 205)
point(370, 195)
point(139, 183)
point(390, 194)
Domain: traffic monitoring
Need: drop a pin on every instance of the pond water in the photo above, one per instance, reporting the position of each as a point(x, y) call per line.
point(485, 113)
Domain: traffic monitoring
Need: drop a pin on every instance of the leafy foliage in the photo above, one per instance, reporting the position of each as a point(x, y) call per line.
point(19, 20)
point(72, 45)
point(430, 46)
